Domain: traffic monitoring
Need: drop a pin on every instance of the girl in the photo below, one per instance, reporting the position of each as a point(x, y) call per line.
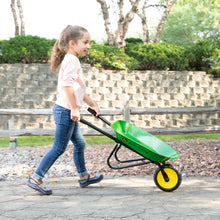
point(74, 41)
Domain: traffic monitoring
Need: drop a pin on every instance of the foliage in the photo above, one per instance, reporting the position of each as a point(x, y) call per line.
point(191, 21)
point(1, 41)
point(51, 42)
point(158, 56)
point(109, 57)
point(202, 55)
point(133, 40)
point(25, 49)
point(1, 58)
point(215, 71)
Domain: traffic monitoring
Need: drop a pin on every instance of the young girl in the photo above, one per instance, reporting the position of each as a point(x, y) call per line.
point(74, 41)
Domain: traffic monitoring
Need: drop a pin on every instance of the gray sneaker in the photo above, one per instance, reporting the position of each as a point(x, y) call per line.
point(38, 185)
point(88, 181)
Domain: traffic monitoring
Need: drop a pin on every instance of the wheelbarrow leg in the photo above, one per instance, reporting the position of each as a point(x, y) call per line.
point(166, 178)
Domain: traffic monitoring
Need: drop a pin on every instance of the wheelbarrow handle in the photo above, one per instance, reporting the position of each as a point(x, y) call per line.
point(93, 112)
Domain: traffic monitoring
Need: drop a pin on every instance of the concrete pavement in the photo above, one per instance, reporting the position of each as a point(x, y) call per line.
point(127, 197)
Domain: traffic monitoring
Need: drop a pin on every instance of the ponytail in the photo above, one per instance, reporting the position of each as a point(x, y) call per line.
point(62, 45)
point(57, 56)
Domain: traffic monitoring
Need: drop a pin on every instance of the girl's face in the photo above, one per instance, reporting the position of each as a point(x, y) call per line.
point(81, 47)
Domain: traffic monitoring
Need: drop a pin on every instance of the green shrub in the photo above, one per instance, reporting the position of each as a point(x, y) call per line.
point(158, 56)
point(200, 55)
point(134, 40)
point(215, 72)
point(25, 49)
point(1, 58)
point(1, 41)
point(51, 42)
point(109, 57)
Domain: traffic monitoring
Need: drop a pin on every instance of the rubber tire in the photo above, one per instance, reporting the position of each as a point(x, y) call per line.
point(175, 179)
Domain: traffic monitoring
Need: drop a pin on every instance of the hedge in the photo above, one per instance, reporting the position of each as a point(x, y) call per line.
point(25, 49)
point(109, 58)
point(158, 56)
point(204, 55)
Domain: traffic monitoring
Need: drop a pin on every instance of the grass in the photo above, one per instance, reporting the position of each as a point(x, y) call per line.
point(189, 136)
point(33, 141)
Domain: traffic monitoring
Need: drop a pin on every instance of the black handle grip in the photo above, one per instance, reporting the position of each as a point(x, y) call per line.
point(93, 112)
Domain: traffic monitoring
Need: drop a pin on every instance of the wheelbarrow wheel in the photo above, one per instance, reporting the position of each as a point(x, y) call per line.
point(168, 182)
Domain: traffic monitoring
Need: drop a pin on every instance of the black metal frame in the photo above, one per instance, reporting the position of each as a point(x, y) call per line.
point(118, 146)
point(115, 151)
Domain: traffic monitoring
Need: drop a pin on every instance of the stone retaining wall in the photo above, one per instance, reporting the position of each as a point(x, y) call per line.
point(34, 86)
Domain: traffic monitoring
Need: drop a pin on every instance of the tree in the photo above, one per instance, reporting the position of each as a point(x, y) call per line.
point(118, 39)
point(22, 27)
point(167, 6)
point(191, 21)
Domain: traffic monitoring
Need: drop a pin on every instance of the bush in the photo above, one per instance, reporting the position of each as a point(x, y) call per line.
point(1, 42)
point(1, 58)
point(25, 49)
point(200, 55)
point(109, 57)
point(51, 42)
point(158, 56)
point(215, 72)
point(134, 40)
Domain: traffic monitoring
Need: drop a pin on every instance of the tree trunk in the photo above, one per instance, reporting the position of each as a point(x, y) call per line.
point(108, 30)
point(160, 28)
point(15, 17)
point(119, 32)
point(124, 22)
point(21, 17)
point(146, 36)
point(130, 16)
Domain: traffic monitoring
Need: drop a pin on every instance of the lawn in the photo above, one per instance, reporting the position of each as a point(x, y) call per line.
point(33, 141)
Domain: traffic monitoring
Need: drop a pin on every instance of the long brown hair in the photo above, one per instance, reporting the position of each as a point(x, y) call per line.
point(61, 46)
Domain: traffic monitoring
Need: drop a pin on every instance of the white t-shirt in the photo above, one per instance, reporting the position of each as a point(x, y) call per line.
point(70, 74)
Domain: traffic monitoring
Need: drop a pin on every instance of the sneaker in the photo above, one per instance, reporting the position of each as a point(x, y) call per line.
point(38, 185)
point(88, 181)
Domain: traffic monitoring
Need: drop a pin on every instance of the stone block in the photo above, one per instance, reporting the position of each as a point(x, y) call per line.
point(145, 103)
point(108, 83)
point(115, 76)
point(15, 68)
point(131, 76)
point(122, 84)
point(191, 83)
point(110, 97)
point(153, 96)
point(133, 103)
point(94, 83)
point(30, 68)
point(117, 90)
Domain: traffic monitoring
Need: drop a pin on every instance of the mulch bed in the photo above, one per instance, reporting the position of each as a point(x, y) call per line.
point(197, 158)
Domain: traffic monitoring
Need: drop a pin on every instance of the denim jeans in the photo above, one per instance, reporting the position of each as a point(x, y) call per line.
point(66, 129)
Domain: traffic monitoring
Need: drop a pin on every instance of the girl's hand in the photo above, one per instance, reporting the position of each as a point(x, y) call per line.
point(96, 108)
point(75, 114)
point(92, 104)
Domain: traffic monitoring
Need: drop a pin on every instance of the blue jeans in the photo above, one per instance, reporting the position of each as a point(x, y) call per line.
point(66, 129)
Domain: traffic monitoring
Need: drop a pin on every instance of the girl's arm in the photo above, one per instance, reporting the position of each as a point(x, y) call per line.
point(69, 92)
point(91, 103)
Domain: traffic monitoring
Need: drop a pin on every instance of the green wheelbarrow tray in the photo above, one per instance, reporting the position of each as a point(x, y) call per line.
point(142, 142)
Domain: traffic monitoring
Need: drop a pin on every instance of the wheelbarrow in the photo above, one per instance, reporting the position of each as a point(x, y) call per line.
point(151, 149)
